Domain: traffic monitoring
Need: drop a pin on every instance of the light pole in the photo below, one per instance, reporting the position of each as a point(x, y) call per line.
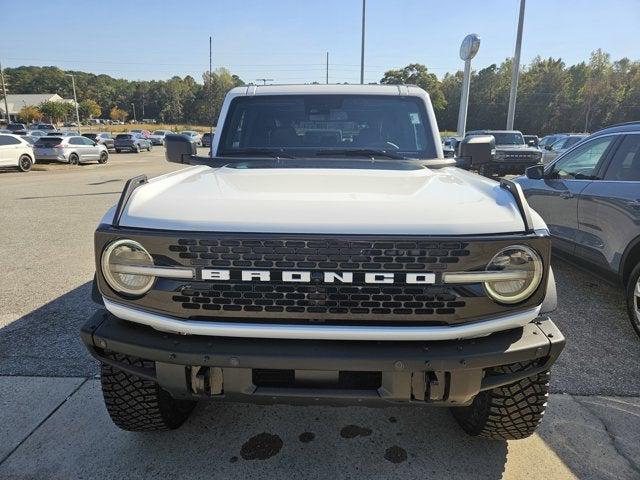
point(468, 50)
point(133, 105)
point(4, 94)
point(515, 73)
point(364, 9)
point(75, 99)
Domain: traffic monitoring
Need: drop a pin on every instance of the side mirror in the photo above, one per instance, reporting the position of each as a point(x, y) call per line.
point(476, 149)
point(535, 172)
point(178, 148)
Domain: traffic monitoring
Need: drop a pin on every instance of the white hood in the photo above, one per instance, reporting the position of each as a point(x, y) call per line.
point(341, 201)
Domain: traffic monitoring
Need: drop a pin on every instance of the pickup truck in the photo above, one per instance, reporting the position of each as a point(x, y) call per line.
point(325, 252)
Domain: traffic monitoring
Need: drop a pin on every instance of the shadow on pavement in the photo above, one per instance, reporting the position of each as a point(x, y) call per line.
point(46, 341)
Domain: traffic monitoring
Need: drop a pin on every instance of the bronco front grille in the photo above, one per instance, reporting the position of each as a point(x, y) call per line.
point(356, 255)
point(315, 299)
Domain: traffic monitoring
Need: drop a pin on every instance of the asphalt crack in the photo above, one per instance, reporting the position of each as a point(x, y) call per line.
point(612, 436)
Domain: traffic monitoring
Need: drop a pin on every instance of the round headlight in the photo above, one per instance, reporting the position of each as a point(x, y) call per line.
point(522, 273)
point(118, 266)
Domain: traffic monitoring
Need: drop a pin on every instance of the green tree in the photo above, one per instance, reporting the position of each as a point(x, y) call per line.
point(417, 74)
point(89, 109)
point(56, 111)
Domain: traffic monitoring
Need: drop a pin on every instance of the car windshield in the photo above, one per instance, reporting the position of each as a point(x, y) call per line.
point(308, 125)
point(92, 136)
point(123, 136)
point(159, 132)
point(508, 138)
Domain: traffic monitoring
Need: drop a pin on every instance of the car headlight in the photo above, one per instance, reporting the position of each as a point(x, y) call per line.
point(520, 275)
point(120, 262)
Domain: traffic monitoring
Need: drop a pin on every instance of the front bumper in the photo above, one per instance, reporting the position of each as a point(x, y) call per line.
point(254, 370)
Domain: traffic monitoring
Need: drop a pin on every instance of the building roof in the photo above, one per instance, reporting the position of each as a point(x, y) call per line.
point(17, 102)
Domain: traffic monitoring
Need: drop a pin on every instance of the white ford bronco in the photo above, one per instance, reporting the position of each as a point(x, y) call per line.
point(325, 252)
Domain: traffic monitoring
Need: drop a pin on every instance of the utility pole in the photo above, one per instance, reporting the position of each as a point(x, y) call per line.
point(4, 93)
point(264, 80)
point(327, 81)
point(210, 97)
point(515, 73)
point(143, 106)
point(364, 9)
point(75, 99)
point(133, 105)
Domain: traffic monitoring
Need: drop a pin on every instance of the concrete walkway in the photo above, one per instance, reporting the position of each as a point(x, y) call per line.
point(57, 428)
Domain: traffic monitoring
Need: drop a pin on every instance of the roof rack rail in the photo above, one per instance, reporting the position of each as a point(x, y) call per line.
point(128, 190)
point(521, 202)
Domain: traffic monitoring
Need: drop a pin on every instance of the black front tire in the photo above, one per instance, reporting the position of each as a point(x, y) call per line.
point(633, 298)
point(510, 412)
point(118, 150)
point(25, 163)
point(104, 156)
point(486, 171)
point(74, 159)
point(139, 405)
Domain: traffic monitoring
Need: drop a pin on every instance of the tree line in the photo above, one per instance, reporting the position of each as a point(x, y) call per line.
point(552, 97)
point(177, 100)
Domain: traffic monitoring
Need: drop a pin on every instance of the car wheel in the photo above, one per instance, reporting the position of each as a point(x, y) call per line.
point(25, 163)
point(74, 159)
point(486, 171)
point(149, 148)
point(104, 156)
point(118, 150)
point(136, 149)
point(137, 404)
point(509, 412)
point(633, 298)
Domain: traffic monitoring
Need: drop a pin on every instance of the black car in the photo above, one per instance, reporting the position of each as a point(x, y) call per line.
point(103, 138)
point(589, 196)
point(512, 154)
point(133, 142)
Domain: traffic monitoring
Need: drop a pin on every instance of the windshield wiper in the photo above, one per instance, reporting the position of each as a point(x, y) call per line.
point(267, 152)
point(361, 152)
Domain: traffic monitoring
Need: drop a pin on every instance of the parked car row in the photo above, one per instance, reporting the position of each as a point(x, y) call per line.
point(589, 196)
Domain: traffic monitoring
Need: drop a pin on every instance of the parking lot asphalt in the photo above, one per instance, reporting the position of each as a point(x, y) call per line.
point(47, 218)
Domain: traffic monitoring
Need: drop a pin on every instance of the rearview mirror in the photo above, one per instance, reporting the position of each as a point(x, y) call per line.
point(178, 148)
point(476, 149)
point(535, 172)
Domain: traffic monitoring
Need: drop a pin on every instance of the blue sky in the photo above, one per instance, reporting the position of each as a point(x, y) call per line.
point(287, 39)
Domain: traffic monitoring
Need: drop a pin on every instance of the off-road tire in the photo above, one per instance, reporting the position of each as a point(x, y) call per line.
point(510, 412)
point(104, 156)
point(74, 159)
point(25, 163)
point(486, 171)
point(632, 284)
point(139, 405)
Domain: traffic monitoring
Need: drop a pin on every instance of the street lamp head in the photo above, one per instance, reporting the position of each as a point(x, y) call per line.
point(469, 47)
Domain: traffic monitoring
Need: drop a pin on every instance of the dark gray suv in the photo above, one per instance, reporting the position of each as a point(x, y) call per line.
point(590, 199)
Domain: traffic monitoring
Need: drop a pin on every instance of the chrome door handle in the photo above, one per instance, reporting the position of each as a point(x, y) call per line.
point(566, 195)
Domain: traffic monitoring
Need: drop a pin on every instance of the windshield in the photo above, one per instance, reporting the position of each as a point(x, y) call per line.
point(508, 138)
point(159, 132)
point(92, 136)
point(304, 125)
point(48, 141)
point(123, 136)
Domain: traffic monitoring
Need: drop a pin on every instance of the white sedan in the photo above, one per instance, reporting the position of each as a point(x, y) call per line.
point(16, 152)
point(194, 136)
